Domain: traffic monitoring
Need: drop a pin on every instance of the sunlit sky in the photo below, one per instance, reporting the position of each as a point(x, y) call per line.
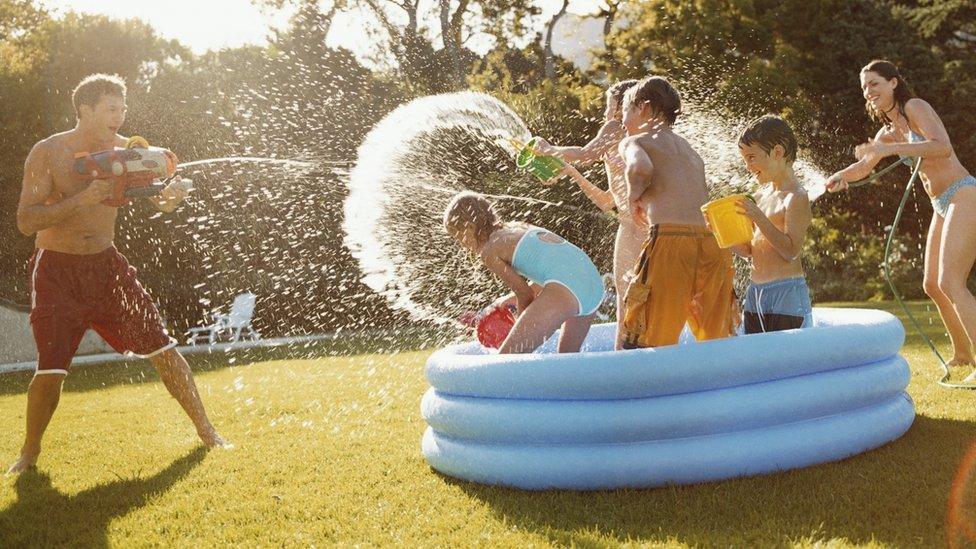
point(214, 24)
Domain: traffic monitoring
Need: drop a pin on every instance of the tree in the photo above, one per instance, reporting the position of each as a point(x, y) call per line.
point(82, 44)
point(946, 21)
point(608, 11)
point(17, 19)
point(550, 65)
point(409, 34)
point(22, 54)
point(458, 21)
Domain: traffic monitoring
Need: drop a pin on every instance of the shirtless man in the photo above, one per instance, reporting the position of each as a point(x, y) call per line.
point(78, 280)
point(777, 297)
point(681, 260)
point(605, 147)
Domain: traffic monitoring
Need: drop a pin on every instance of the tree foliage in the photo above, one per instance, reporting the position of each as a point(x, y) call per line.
point(738, 58)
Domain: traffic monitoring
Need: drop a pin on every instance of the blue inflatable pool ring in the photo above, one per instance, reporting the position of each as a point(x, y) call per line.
point(683, 414)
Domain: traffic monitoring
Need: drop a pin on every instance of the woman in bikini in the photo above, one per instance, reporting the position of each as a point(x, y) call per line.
point(911, 128)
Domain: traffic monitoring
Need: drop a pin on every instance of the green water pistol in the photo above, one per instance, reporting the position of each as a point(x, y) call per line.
point(544, 167)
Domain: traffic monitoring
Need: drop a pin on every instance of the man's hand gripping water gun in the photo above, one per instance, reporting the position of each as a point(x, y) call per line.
point(133, 172)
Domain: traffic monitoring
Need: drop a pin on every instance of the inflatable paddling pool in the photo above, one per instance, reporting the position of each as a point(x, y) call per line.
point(682, 414)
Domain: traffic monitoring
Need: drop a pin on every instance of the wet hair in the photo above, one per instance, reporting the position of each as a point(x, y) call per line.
point(767, 132)
point(616, 92)
point(91, 89)
point(469, 208)
point(903, 92)
point(659, 93)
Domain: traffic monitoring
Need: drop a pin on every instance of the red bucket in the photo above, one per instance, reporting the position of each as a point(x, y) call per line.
point(493, 328)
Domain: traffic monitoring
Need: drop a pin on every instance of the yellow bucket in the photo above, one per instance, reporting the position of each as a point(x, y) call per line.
point(729, 226)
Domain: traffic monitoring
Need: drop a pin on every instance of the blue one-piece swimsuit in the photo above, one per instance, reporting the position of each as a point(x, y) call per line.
point(542, 257)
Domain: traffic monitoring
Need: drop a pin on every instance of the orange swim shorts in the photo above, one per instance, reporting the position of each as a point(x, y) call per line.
point(679, 265)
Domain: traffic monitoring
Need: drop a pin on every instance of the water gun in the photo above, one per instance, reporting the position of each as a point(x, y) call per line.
point(543, 166)
point(491, 325)
point(132, 170)
point(530, 159)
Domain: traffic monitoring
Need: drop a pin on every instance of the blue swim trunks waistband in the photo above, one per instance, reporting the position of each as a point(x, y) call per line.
point(788, 296)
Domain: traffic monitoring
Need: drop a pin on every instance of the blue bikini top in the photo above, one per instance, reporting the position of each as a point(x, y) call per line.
point(912, 138)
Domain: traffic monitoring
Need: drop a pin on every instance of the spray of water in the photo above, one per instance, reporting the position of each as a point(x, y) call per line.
point(413, 161)
point(251, 159)
point(257, 224)
point(715, 137)
point(408, 167)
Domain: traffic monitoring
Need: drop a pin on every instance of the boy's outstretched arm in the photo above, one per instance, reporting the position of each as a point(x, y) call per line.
point(601, 198)
point(788, 243)
point(608, 136)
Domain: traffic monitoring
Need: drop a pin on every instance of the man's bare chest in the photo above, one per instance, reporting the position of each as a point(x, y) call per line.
point(65, 181)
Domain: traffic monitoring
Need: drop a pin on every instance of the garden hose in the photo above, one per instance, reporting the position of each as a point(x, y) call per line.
point(944, 381)
point(875, 176)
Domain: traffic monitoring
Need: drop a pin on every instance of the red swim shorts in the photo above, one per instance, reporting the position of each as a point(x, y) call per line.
point(72, 293)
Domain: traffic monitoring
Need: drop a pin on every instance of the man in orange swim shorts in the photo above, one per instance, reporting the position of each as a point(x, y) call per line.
point(681, 262)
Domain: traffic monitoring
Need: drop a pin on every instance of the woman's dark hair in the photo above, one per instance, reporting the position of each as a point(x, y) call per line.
point(903, 92)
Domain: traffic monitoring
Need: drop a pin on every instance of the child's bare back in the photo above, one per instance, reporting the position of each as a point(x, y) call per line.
point(681, 263)
point(675, 189)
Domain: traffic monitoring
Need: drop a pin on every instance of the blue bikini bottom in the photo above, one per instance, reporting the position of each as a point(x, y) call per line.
point(941, 203)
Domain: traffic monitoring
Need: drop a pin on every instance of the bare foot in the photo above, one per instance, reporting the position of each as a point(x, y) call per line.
point(958, 367)
point(23, 463)
point(212, 439)
point(971, 378)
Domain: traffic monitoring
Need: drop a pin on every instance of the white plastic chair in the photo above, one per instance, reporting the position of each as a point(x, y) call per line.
point(236, 324)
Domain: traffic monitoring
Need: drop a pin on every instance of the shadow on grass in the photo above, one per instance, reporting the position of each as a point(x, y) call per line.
point(93, 377)
point(895, 495)
point(43, 516)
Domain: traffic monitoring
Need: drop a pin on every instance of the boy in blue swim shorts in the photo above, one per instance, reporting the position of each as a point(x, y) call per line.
point(777, 297)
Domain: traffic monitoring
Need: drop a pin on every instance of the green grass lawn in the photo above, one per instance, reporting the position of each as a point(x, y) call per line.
point(328, 452)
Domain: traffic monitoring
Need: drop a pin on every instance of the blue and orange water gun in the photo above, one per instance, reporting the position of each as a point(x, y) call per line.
point(133, 170)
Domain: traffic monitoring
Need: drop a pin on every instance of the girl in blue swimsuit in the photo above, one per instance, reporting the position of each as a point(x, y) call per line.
point(911, 128)
point(554, 282)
